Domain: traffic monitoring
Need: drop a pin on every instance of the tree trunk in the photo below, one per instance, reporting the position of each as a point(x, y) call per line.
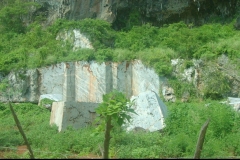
point(107, 138)
point(21, 131)
point(201, 140)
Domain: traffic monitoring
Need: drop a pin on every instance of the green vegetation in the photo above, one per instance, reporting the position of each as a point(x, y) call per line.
point(12, 16)
point(98, 31)
point(30, 46)
point(24, 47)
point(216, 85)
point(178, 139)
point(46, 101)
point(183, 87)
point(113, 112)
point(34, 46)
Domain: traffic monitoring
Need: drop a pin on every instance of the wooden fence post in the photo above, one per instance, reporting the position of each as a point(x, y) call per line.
point(201, 140)
point(21, 131)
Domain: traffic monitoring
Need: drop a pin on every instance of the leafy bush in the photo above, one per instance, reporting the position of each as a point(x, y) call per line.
point(120, 55)
point(181, 87)
point(138, 38)
point(11, 16)
point(99, 32)
point(104, 55)
point(187, 119)
point(159, 59)
point(216, 84)
point(113, 111)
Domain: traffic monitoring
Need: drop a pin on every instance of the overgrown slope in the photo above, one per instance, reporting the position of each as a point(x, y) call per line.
point(178, 139)
point(32, 46)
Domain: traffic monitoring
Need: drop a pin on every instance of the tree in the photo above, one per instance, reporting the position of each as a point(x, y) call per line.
point(113, 111)
point(12, 14)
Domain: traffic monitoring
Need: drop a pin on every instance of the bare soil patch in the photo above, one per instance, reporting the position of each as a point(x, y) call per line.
point(22, 149)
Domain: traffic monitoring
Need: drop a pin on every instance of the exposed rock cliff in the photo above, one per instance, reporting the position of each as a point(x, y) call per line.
point(87, 81)
point(81, 81)
point(118, 12)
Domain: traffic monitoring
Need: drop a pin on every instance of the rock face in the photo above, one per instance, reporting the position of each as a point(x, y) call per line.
point(235, 102)
point(82, 81)
point(77, 9)
point(87, 81)
point(72, 113)
point(76, 38)
point(23, 86)
point(150, 110)
point(168, 94)
point(158, 12)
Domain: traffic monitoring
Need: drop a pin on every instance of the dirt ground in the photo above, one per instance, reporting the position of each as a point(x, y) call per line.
point(23, 149)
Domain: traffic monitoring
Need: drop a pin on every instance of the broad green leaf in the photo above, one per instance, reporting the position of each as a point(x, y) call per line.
point(112, 101)
point(132, 111)
point(115, 107)
point(128, 118)
point(120, 121)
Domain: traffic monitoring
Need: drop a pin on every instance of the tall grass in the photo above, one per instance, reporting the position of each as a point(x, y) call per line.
point(178, 139)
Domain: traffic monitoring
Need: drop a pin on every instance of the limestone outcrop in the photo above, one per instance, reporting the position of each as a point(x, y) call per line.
point(72, 113)
point(151, 112)
point(234, 102)
point(76, 38)
point(81, 81)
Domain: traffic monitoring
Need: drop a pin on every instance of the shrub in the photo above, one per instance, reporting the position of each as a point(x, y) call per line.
point(138, 38)
point(216, 84)
point(11, 16)
point(98, 31)
point(181, 87)
point(187, 119)
point(159, 59)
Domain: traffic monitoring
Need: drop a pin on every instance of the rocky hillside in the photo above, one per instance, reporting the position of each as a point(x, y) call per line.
point(189, 60)
point(122, 12)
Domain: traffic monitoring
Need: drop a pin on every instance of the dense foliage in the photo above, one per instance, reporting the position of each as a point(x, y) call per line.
point(31, 46)
point(178, 139)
